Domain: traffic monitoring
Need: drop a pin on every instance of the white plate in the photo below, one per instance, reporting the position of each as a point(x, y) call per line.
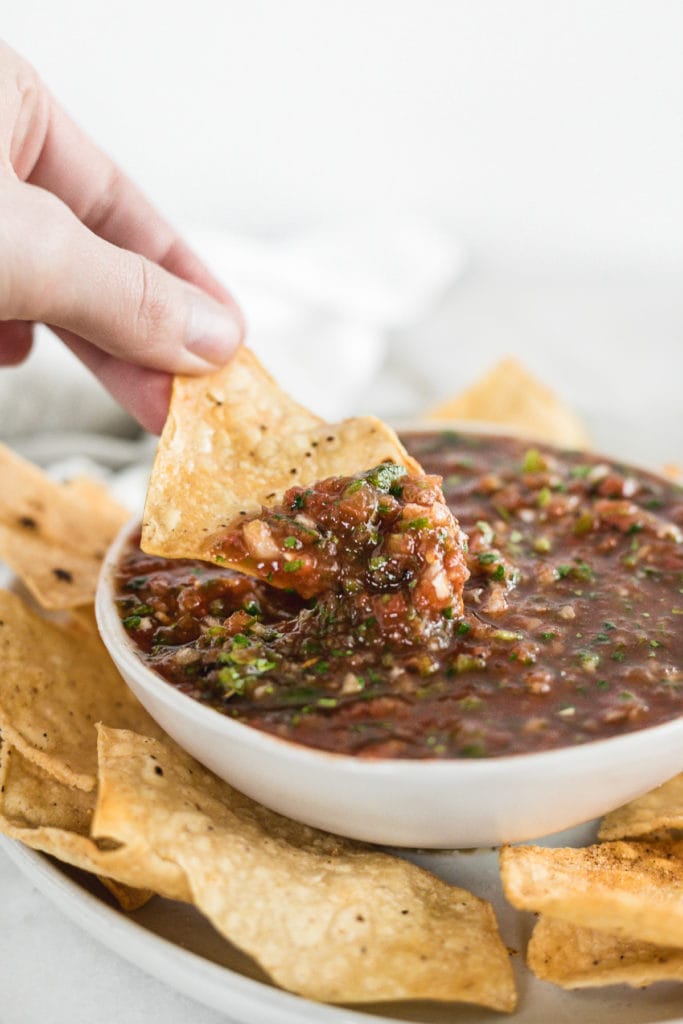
point(175, 944)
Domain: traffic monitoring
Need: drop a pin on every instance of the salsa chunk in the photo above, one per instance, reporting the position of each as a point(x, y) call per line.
point(382, 539)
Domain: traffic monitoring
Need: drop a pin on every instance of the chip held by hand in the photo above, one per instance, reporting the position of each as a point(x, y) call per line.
point(234, 442)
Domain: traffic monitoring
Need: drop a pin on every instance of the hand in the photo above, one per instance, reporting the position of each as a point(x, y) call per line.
point(83, 251)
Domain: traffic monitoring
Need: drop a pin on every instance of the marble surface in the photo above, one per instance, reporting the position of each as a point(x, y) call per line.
point(612, 347)
point(53, 973)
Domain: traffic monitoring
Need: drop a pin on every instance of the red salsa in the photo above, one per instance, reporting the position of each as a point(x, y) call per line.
point(354, 633)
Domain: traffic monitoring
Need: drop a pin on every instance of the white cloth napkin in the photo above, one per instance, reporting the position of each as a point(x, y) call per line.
point(319, 306)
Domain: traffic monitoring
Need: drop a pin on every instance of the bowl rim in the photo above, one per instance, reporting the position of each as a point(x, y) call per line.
point(123, 651)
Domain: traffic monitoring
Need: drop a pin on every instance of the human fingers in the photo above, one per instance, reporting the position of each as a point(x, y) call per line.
point(105, 200)
point(144, 393)
point(57, 271)
point(16, 339)
point(42, 145)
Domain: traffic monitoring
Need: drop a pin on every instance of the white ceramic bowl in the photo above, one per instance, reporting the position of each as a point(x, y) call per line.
point(437, 804)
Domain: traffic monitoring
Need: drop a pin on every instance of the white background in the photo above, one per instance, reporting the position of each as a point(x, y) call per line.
point(544, 131)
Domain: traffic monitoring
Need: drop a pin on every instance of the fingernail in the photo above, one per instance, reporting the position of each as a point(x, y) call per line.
point(213, 331)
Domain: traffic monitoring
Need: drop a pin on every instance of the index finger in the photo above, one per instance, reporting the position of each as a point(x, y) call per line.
point(71, 166)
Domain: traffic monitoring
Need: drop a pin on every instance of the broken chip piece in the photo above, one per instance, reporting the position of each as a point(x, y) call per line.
point(633, 890)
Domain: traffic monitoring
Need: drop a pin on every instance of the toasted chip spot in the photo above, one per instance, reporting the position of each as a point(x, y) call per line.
point(64, 575)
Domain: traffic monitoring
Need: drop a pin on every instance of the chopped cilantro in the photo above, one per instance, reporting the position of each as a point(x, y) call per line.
point(231, 679)
point(136, 583)
point(294, 565)
point(353, 487)
point(468, 663)
point(533, 461)
point(584, 524)
point(470, 703)
point(260, 665)
point(589, 660)
point(299, 500)
point(473, 750)
point(421, 523)
point(292, 542)
point(383, 477)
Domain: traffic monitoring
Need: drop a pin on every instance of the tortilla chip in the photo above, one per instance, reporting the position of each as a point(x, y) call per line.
point(128, 898)
point(328, 918)
point(632, 890)
point(52, 535)
point(575, 957)
point(83, 620)
point(95, 496)
point(233, 442)
point(55, 684)
point(48, 816)
point(662, 808)
point(510, 396)
point(31, 799)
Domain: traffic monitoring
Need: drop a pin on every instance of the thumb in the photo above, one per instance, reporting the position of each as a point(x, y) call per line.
point(57, 271)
